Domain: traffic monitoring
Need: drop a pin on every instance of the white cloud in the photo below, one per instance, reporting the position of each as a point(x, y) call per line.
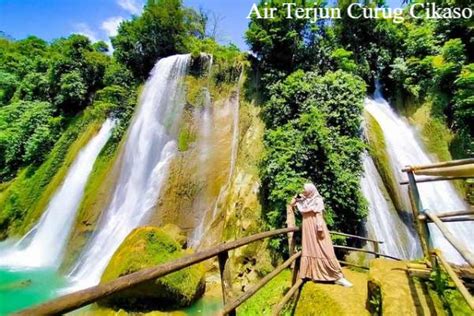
point(84, 29)
point(132, 6)
point(110, 26)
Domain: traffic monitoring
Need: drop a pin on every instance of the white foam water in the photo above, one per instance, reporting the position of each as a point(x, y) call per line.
point(404, 148)
point(383, 221)
point(149, 148)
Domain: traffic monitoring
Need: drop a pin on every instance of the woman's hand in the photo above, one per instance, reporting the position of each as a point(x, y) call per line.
point(293, 202)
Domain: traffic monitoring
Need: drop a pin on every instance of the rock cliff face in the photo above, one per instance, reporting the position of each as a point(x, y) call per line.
point(146, 247)
point(240, 210)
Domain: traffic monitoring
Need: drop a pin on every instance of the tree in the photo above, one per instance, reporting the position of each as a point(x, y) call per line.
point(101, 47)
point(159, 32)
point(313, 134)
point(28, 131)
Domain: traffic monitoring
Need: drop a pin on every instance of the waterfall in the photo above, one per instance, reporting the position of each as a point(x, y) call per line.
point(149, 148)
point(404, 148)
point(44, 245)
point(230, 109)
point(383, 222)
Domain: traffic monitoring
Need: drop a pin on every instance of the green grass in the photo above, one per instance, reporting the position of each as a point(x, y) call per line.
point(267, 297)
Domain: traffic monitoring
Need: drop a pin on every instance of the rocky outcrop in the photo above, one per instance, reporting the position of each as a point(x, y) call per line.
point(146, 247)
point(393, 292)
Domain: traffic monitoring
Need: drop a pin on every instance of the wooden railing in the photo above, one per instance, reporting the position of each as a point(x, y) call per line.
point(423, 216)
point(73, 301)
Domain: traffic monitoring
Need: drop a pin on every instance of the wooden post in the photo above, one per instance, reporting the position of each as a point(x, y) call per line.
point(376, 249)
point(460, 286)
point(417, 208)
point(226, 284)
point(291, 222)
point(459, 246)
point(296, 268)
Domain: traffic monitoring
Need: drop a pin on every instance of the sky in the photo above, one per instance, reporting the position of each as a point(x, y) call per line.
point(98, 19)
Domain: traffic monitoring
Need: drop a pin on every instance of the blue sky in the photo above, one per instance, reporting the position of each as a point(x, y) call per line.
point(98, 19)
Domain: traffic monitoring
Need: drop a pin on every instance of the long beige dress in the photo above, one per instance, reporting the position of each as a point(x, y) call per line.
point(318, 260)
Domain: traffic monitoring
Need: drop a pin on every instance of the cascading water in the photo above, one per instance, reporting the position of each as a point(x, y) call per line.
point(44, 245)
point(149, 149)
point(383, 222)
point(230, 109)
point(404, 149)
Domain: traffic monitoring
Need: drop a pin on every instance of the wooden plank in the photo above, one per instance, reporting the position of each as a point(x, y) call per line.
point(456, 213)
point(451, 163)
point(459, 246)
point(291, 222)
point(87, 296)
point(353, 265)
point(448, 219)
point(435, 179)
point(237, 302)
point(460, 286)
point(452, 171)
point(420, 273)
point(279, 307)
point(457, 219)
point(355, 236)
point(365, 250)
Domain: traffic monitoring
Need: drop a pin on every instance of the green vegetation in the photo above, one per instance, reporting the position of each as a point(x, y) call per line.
point(53, 99)
point(310, 80)
point(28, 131)
point(146, 247)
point(426, 61)
point(267, 297)
point(452, 300)
point(434, 65)
point(25, 199)
point(312, 134)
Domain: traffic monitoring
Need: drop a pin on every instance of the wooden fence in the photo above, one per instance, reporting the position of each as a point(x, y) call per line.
point(73, 301)
point(445, 171)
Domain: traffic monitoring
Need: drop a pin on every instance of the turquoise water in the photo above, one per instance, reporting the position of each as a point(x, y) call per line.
point(205, 306)
point(24, 288)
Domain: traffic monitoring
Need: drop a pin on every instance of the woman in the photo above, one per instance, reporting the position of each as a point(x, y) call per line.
point(318, 261)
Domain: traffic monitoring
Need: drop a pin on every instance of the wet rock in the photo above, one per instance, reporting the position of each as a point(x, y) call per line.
point(147, 247)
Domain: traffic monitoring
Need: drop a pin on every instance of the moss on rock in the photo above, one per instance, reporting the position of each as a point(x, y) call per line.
point(397, 292)
point(378, 150)
point(330, 299)
point(143, 248)
point(97, 194)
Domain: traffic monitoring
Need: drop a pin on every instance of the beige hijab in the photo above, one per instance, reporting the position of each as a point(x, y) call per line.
point(312, 201)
